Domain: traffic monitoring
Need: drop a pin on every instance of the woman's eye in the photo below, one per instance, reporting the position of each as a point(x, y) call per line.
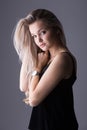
point(34, 36)
point(43, 32)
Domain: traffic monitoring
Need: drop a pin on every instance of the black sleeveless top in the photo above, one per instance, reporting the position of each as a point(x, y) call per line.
point(56, 111)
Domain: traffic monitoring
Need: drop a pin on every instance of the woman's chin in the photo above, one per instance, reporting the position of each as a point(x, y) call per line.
point(44, 49)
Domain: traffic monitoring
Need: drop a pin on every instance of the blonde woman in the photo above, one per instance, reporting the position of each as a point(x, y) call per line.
point(48, 71)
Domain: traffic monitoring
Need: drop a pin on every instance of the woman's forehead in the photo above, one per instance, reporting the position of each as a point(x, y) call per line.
point(37, 26)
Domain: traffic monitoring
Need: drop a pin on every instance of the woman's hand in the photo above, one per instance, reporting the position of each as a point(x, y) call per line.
point(26, 101)
point(43, 59)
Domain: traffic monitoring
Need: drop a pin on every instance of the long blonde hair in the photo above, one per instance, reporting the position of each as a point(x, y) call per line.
point(23, 42)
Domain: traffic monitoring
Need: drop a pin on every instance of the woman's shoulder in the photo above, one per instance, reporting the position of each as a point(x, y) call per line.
point(65, 55)
point(66, 61)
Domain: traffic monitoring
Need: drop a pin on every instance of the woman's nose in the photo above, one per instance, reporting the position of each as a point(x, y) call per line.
point(39, 39)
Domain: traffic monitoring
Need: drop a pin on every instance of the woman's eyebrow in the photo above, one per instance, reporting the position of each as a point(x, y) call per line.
point(38, 31)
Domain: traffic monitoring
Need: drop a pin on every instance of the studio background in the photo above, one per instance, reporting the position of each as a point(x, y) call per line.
point(14, 114)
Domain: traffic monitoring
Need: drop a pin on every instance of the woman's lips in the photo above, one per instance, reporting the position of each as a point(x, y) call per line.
point(42, 45)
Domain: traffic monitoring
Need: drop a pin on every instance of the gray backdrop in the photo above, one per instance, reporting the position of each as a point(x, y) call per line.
point(14, 114)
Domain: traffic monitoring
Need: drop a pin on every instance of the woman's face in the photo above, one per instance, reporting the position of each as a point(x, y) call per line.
point(43, 37)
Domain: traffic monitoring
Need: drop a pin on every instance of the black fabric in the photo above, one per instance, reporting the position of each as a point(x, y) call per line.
point(56, 112)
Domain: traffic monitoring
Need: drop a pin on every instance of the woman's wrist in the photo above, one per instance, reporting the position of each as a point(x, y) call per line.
point(38, 69)
point(35, 73)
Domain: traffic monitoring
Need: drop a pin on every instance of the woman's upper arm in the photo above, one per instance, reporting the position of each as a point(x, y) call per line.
point(57, 70)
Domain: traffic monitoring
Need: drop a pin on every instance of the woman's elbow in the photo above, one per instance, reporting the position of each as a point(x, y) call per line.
point(23, 89)
point(33, 102)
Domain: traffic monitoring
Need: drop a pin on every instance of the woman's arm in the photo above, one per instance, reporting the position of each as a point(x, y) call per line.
point(42, 61)
point(60, 68)
point(24, 76)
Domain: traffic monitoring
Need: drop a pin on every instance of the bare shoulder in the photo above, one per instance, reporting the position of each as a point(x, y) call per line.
point(62, 58)
point(64, 61)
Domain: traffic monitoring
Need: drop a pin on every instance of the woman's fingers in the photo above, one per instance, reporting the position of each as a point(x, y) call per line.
point(26, 100)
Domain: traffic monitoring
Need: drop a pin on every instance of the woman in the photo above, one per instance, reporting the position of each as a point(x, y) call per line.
point(48, 71)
